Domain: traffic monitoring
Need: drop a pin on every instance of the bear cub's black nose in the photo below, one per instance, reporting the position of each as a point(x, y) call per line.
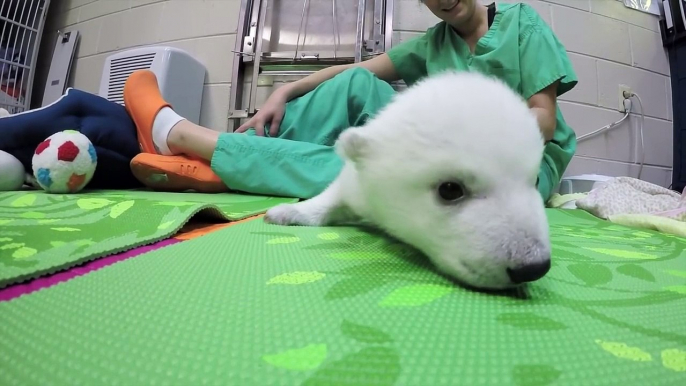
point(528, 273)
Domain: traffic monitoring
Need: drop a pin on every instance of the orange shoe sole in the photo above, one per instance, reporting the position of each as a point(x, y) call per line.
point(176, 174)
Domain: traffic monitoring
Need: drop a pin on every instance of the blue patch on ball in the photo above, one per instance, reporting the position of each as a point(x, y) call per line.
point(92, 153)
point(43, 177)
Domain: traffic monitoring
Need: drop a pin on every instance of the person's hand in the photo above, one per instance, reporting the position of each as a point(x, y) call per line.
point(271, 113)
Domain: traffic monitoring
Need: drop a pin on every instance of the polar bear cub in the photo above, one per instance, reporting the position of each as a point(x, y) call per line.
point(449, 167)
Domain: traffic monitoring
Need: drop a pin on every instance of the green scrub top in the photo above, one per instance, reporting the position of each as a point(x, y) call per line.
point(519, 48)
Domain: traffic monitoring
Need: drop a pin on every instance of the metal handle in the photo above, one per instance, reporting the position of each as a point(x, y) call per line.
point(335, 29)
point(359, 38)
point(258, 56)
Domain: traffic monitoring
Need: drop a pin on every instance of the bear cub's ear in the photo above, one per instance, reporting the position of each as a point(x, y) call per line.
point(353, 144)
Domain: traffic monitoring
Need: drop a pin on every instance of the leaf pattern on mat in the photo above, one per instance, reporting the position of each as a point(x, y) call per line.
point(625, 254)
point(178, 203)
point(415, 295)
point(120, 208)
point(373, 366)
point(674, 359)
point(296, 278)
point(535, 375)
point(24, 252)
point(11, 246)
point(299, 359)
point(328, 236)
point(363, 240)
point(358, 255)
point(274, 234)
point(336, 246)
point(24, 201)
point(624, 351)
point(166, 225)
point(530, 321)
point(368, 344)
point(364, 334)
point(32, 215)
point(635, 271)
point(65, 229)
point(676, 273)
point(93, 224)
point(591, 274)
point(380, 269)
point(571, 254)
point(680, 289)
point(93, 203)
point(283, 240)
point(352, 287)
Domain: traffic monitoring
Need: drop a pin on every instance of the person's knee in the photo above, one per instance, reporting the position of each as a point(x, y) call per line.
point(357, 72)
point(358, 78)
point(359, 81)
point(545, 183)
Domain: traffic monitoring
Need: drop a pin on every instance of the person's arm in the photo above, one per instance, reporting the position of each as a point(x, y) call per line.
point(381, 66)
point(544, 106)
point(406, 61)
point(273, 109)
point(546, 70)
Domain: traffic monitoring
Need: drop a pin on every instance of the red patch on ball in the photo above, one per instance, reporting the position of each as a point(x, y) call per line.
point(42, 146)
point(67, 151)
point(75, 182)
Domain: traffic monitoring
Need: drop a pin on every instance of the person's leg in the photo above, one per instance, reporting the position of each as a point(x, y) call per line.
point(156, 166)
point(300, 163)
point(193, 140)
point(546, 182)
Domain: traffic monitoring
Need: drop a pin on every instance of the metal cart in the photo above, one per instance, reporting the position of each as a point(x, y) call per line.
point(22, 27)
point(293, 38)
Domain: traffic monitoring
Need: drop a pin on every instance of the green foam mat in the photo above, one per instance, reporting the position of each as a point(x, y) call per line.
point(257, 304)
point(42, 233)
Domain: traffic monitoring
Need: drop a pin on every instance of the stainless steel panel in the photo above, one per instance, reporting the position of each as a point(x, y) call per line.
point(359, 30)
point(237, 76)
point(263, 5)
point(376, 41)
point(297, 37)
point(323, 27)
point(388, 24)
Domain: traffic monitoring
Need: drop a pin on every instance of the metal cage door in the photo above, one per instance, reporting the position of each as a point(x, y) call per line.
point(22, 27)
point(298, 37)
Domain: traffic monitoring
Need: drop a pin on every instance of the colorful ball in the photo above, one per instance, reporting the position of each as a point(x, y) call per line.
point(65, 162)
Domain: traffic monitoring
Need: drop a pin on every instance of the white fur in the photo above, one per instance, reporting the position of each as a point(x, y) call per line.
point(461, 127)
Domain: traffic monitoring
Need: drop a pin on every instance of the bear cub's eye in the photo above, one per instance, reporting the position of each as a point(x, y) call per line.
point(451, 191)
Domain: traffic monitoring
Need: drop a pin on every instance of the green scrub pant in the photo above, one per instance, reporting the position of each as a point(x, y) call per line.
point(301, 161)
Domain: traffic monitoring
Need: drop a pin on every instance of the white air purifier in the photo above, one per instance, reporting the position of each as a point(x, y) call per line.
point(179, 76)
point(582, 183)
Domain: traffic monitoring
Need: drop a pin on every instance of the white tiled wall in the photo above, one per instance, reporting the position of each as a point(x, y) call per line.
point(204, 28)
point(607, 43)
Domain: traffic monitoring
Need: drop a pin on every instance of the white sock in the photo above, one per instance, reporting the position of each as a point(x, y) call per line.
point(164, 121)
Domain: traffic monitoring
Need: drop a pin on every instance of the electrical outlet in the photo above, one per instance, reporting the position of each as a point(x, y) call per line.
point(620, 95)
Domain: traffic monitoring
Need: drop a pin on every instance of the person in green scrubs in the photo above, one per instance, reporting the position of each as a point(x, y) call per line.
point(286, 149)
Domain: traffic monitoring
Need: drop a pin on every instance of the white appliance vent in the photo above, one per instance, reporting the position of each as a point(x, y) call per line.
point(179, 76)
point(120, 69)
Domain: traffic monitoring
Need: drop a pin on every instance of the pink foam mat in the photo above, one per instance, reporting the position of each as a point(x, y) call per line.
point(14, 291)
